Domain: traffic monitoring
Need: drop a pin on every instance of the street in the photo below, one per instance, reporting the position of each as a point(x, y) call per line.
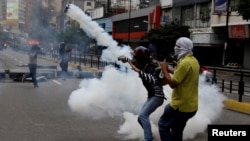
point(43, 113)
point(39, 114)
point(86, 93)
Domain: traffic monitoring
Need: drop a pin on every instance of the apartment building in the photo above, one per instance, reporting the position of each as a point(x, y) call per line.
point(2, 13)
point(236, 31)
point(13, 15)
point(220, 38)
point(208, 45)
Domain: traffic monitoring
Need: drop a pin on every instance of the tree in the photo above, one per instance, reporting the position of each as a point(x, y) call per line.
point(74, 35)
point(164, 38)
point(243, 8)
point(167, 33)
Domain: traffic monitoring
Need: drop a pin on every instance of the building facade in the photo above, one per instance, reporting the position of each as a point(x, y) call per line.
point(129, 27)
point(220, 38)
point(14, 18)
point(3, 7)
point(236, 31)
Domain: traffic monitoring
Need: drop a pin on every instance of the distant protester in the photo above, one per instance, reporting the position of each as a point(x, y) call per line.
point(33, 52)
point(64, 52)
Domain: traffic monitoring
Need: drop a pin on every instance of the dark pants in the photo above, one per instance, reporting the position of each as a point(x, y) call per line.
point(172, 124)
point(32, 74)
point(64, 67)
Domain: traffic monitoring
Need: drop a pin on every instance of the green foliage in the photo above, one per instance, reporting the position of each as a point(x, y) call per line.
point(167, 33)
point(73, 34)
point(164, 38)
point(244, 9)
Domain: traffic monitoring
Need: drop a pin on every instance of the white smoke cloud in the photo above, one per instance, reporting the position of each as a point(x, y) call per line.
point(109, 96)
point(119, 93)
point(93, 30)
point(210, 107)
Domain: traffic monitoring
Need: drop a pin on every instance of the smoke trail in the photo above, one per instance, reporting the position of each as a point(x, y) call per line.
point(93, 30)
point(122, 94)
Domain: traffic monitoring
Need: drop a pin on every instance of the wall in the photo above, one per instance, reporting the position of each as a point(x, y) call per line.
point(106, 22)
point(166, 3)
point(234, 19)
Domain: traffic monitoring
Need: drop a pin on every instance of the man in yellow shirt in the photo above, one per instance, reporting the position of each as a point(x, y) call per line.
point(184, 100)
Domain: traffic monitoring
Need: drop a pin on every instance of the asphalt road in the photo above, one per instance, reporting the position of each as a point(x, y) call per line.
point(11, 59)
point(43, 114)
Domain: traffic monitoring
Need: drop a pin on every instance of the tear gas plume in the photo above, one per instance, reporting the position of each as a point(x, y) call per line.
point(93, 30)
point(121, 94)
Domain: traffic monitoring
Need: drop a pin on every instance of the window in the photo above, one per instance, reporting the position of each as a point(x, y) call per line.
point(187, 16)
point(204, 13)
point(233, 5)
point(89, 3)
point(188, 13)
point(166, 16)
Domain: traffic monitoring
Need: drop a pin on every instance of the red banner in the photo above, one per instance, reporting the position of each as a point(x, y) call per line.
point(238, 31)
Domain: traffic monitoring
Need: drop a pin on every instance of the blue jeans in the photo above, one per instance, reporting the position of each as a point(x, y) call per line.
point(149, 107)
point(172, 124)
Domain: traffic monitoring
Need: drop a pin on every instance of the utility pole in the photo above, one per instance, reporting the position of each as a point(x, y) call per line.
point(226, 33)
point(129, 22)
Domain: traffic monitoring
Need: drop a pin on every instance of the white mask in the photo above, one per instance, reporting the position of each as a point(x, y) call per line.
point(183, 46)
point(177, 51)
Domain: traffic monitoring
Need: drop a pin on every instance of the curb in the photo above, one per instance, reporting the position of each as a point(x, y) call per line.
point(234, 105)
